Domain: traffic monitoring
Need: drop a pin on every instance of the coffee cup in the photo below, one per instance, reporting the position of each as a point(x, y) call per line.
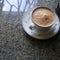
point(43, 19)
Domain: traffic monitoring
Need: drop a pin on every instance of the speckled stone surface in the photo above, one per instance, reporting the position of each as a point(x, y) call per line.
point(48, 3)
point(15, 44)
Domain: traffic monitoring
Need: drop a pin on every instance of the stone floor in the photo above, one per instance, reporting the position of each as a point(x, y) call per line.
point(15, 44)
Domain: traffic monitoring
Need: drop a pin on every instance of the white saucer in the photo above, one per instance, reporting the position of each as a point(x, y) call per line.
point(28, 26)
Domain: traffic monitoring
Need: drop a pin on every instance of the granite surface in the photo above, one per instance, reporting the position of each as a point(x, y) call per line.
point(48, 3)
point(15, 44)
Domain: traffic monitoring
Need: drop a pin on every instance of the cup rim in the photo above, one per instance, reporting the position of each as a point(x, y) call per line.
point(44, 8)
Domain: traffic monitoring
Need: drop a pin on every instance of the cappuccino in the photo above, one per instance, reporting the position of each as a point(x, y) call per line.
point(43, 16)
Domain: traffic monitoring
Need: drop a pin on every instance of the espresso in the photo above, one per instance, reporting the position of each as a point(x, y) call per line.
point(43, 16)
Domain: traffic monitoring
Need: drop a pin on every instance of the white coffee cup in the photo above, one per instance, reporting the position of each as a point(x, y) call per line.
point(40, 27)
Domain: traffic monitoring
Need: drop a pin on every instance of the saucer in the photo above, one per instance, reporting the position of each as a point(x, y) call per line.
point(30, 29)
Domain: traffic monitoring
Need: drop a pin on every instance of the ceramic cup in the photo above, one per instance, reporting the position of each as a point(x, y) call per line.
point(43, 18)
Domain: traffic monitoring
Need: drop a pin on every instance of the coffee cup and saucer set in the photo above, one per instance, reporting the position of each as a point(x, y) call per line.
point(41, 23)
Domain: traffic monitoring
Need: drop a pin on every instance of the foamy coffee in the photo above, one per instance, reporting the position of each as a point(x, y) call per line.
point(43, 16)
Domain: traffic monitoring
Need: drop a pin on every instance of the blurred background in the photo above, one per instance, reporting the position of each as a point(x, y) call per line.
point(24, 5)
point(21, 6)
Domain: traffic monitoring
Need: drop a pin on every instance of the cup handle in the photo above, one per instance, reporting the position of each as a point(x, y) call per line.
point(32, 27)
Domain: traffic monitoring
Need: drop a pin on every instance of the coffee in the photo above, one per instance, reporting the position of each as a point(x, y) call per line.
point(43, 16)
